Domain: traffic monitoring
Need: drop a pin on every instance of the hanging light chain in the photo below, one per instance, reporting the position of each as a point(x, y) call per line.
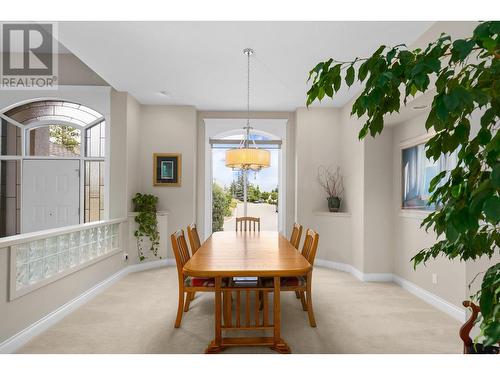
point(248, 87)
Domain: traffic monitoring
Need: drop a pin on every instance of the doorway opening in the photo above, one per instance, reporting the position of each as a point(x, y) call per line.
point(265, 192)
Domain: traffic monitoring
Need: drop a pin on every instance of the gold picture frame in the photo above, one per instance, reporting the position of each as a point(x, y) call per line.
point(167, 169)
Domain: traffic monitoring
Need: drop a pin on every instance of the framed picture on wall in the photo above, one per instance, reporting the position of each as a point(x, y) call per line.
point(167, 169)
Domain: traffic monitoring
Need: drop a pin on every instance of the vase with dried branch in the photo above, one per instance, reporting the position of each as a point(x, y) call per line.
point(332, 183)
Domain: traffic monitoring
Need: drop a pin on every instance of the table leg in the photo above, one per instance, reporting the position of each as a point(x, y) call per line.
point(216, 345)
point(279, 344)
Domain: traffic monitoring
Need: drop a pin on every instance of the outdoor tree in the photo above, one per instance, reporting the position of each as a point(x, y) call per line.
point(265, 195)
point(238, 186)
point(253, 193)
point(466, 77)
point(66, 136)
point(219, 208)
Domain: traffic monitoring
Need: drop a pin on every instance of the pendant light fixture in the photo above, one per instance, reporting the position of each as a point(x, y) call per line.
point(246, 157)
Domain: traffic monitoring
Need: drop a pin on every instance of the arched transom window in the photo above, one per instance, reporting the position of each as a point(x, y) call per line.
point(51, 130)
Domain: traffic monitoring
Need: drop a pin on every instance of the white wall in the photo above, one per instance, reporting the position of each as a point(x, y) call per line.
point(318, 141)
point(409, 238)
point(170, 129)
point(20, 313)
point(133, 145)
point(118, 156)
point(378, 193)
point(352, 161)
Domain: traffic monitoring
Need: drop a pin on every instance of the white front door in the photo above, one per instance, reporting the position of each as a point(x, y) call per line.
point(50, 194)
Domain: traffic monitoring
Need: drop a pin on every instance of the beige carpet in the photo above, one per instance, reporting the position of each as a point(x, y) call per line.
point(136, 315)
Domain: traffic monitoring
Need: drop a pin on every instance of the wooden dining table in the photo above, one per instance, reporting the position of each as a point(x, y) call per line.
point(225, 255)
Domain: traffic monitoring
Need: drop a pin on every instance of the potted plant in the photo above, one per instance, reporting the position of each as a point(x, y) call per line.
point(332, 183)
point(145, 206)
point(466, 72)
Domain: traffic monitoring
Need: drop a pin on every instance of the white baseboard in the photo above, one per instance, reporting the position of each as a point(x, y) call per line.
point(150, 265)
point(371, 277)
point(344, 267)
point(439, 303)
point(19, 339)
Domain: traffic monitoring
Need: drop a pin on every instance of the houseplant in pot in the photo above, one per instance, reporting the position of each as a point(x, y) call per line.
point(332, 183)
point(464, 74)
point(145, 206)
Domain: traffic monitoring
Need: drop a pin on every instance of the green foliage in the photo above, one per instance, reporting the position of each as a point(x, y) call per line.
point(65, 135)
point(145, 206)
point(490, 308)
point(467, 73)
point(265, 195)
point(236, 187)
point(253, 193)
point(220, 207)
point(229, 199)
point(273, 197)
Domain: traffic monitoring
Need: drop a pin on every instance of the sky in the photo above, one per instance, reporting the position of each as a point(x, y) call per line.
point(266, 179)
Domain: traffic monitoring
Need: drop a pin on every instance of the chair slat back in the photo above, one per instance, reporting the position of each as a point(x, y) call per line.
point(310, 246)
point(194, 238)
point(180, 249)
point(296, 234)
point(247, 223)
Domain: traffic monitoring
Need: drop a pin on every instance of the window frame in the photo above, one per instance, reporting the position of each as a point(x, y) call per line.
point(25, 129)
point(416, 212)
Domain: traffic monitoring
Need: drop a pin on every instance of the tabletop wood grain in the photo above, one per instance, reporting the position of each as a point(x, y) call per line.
point(246, 254)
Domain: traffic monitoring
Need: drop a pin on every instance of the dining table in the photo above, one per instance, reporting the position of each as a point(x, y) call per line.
point(226, 255)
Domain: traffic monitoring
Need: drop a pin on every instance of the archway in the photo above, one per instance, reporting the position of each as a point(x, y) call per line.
point(265, 189)
point(51, 165)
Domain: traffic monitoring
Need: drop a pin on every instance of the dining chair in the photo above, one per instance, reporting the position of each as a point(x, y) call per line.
point(301, 284)
point(187, 284)
point(194, 238)
point(296, 234)
point(245, 223)
point(195, 243)
point(295, 241)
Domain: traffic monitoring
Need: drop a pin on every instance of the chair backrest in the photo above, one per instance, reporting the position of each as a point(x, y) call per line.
point(310, 246)
point(194, 238)
point(296, 234)
point(180, 249)
point(245, 223)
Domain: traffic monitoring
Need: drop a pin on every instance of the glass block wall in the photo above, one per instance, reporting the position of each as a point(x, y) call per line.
point(43, 259)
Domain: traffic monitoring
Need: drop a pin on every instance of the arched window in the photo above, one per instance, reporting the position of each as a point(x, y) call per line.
point(51, 130)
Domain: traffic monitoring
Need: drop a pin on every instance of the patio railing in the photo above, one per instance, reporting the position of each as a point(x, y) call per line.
point(39, 258)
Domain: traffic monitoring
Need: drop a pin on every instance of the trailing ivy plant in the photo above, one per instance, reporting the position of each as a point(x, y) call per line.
point(145, 206)
point(465, 74)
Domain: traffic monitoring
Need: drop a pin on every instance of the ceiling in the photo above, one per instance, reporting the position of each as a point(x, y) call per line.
point(202, 64)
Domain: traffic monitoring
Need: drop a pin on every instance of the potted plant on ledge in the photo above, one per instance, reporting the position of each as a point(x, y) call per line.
point(332, 183)
point(145, 206)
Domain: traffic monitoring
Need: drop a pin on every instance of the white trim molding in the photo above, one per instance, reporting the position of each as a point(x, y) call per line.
point(439, 303)
point(332, 214)
point(418, 140)
point(344, 267)
point(414, 214)
point(19, 339)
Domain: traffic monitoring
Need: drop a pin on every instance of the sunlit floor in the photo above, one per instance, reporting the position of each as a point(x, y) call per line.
point(136, 315)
